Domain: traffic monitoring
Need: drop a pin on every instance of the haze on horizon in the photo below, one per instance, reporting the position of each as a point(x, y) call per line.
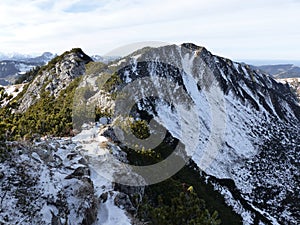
point(264, 30)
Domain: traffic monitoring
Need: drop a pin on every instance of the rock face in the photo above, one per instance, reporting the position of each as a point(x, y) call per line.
point(294, 84)
point(55, 77)
point(46, 183)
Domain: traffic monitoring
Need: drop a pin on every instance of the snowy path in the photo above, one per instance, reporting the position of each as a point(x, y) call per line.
point(92, 146)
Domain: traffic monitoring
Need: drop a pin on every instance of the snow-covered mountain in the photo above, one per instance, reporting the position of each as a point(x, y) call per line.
point(45, 57)
point(14, 56)
point(238, 125)
point(11, 66)
point(234, 128)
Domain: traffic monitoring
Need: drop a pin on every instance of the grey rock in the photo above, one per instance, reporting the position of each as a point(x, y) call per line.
point(103, 197)
point(38, 190)
point(79, 172)
point(123, 201)
point(54, 79)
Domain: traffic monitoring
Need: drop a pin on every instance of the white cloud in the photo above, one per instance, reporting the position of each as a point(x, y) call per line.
point(233, 28)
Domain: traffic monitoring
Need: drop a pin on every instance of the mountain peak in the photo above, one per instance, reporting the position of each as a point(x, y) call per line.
point(192, 46)
point(55, 76)
point(80, 53)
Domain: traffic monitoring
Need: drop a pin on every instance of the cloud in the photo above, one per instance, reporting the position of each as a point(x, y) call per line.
point(234, 28)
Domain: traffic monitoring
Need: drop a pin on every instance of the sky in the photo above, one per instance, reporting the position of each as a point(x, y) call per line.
point(236, 29)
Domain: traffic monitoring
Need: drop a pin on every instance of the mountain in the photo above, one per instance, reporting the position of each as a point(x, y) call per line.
point(14, 56)
point(104, 59)
point(11, 67)
point(281, 71)
point(167, 135)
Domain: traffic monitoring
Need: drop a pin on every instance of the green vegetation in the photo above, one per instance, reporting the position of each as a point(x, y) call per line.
point(60, 58)
point(101, 113)
point(3, 95)
point(112, 82)
point(140, 129)
point(95, 67)
point(186, 208)
point(204, 204)
point(49, 116)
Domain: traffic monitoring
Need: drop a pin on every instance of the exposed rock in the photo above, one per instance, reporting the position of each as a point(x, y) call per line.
point(104, 197)
point(79, 172)
point(55, 78)
point(39, 190)
point(123, 201)
point(109, 132)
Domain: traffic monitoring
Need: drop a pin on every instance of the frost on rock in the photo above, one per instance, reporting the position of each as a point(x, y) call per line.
point(104, 159)
point(46, 183)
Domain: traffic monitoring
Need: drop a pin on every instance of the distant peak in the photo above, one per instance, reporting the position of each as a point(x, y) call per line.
point(47, 54)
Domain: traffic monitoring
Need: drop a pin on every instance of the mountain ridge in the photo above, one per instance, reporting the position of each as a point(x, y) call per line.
point(281, 71)
point(11, 67)
point(250, 119)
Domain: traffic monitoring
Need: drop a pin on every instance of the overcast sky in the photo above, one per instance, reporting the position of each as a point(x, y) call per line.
point(237, 29)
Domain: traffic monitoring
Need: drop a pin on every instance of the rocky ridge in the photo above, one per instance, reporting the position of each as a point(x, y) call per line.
point(55, 76)
point(246, 124)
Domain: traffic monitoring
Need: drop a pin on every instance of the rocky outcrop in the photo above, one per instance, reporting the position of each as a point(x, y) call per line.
point(47, 183)
point(55, 76)
point(294, 85)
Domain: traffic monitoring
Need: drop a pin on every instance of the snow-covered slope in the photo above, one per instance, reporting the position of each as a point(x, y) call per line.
point(59, 181)
point(97, 149)
point(238, 125)
point(46, 183)
point(9, 93)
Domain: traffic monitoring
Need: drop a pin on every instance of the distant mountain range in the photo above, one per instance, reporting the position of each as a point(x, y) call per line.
point(281, 70)
point(43, 58)
point(283, 73)
point(11, 66)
